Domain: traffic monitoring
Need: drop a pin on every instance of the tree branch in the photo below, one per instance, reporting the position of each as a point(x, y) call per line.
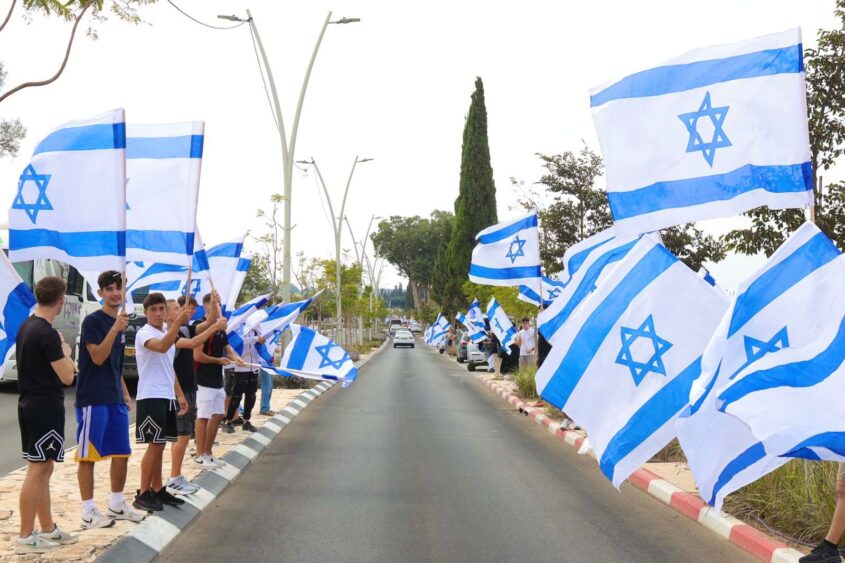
point(64, 62)
point(9, 15)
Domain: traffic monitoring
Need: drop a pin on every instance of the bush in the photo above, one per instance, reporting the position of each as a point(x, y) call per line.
point(524, 379)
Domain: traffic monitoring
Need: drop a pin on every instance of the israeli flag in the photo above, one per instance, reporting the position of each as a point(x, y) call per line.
point(314, 356)
point(237, 280)
point(70, 203)
point(427, 334)
point(550, 289)
point(474, 322)
point(439, 330)
point(16, 303)
point(240, 315)
point(265, 321)
point(712, 133)
point(623, 365)
point(507, 253)
point(267, 351)
point(163, 178)
point(586, 262)
point(776, 347)
point(501, 325)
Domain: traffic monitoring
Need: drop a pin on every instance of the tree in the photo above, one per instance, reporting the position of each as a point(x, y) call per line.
point(271, 245)
point(579, 209)
point(257, 280)
point(475, 207)
point(825, 79)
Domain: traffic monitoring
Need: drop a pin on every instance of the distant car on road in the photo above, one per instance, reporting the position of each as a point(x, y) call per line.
point(403, 337)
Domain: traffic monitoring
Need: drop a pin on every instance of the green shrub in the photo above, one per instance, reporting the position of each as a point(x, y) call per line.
point(524, 379)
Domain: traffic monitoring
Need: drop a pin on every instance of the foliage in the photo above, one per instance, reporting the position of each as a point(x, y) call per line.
point(475, 207)
point(579, 209)
point(524, 379)
point(257, 281)
point(352, 304)
point(271, 244)
point(825, 79)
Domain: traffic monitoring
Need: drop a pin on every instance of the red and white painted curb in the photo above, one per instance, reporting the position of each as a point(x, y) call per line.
point(750, 539)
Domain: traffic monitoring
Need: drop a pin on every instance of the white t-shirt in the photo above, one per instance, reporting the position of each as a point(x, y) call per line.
point(527, 346)
point(155, 370)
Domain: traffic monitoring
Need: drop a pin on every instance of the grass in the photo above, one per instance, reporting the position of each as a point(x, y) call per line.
point(524, 379)
point(672, 452)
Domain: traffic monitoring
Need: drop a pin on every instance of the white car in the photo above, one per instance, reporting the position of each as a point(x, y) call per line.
point(403, 337)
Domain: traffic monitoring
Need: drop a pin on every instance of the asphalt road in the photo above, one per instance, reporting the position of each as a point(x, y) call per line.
point(417, 461)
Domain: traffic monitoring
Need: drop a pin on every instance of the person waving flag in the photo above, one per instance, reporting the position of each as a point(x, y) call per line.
point(508, 254)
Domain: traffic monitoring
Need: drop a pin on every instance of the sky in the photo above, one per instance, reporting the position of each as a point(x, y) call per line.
point(395, 88)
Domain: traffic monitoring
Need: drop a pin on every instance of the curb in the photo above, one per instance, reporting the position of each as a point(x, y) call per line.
point(148, 539)
point(747, 538)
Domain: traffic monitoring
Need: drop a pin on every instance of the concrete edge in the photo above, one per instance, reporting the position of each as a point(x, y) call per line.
point(747, 538)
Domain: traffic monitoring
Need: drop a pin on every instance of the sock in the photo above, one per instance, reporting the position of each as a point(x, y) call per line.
point(88, 506)
point(116, 499)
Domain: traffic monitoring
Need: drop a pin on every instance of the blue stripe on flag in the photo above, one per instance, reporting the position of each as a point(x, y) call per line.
point(19, 302)
point(166, 286)
point(79, 244)
point(519, 272)
point(529, 293)
point(595, 329)
point(673, 194)
point(243, 264)
point(833, 441)
point(650, 418)
point(814, 254)
point(577, 259)
point(225, 250)
point(85, 138)
point(679, 77)
point(740, 463)
point(797, 374)
point(508, 231)
point(300, 349)
point(186, 146)
point(161, 241)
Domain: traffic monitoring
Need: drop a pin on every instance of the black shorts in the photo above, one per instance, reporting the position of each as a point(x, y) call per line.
point(42, 432)
point(185, 423)
point(155, 421)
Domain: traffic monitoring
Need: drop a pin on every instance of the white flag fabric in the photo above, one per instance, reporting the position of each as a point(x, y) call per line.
point(240, 315)
point(267, 320)
point(163, 176)
point(439, 330)
point(623, 365)
point(473, 321)
point(782, 323)
point(238, 278)
point(551, 289)
point(501, 325)
point(712, 133)
point(71, 199)
point(586, 261)
point(507, 253)
point(16, 303)
point(314, 356)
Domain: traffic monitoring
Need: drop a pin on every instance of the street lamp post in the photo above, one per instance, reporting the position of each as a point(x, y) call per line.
point(337, 227)
point(361, 257)
point(288, 146)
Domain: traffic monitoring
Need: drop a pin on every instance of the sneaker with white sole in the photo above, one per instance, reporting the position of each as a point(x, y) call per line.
point(181, 486)
point(33, 544)
point(206, 461)
point(216, 461)
point(95, 520)
point(124, 512)
point(58, 536)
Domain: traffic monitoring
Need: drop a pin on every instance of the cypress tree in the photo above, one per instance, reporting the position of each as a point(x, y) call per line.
point(475, 207)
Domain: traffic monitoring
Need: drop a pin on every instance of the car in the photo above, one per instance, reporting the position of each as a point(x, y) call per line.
point(403, 337)
point(474, 356)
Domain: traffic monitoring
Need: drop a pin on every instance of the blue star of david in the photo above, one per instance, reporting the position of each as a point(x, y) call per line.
point(553, 293)
point(655, 363)
point(717, 118)
point(756, 349)
point(196, 285)
point(325, 355)
point(513, 255)
point(41, 202)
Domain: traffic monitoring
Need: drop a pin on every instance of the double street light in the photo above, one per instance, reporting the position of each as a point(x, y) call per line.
point(288, 145)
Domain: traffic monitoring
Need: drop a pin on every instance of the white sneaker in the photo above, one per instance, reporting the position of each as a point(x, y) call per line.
point(33, 543)
point(216, 461)
point(181, 486)
point(123, 512)
point(207, 461)
point(95, 520)
point(58, 536)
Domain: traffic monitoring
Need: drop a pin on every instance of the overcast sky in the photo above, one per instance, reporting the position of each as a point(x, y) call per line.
point(395, 88)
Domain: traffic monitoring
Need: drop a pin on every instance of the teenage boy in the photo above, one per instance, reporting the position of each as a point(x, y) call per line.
point(210, 359)
point(44, 365)
point(246, 384)
point(158, 392)
point(102, 405)
point(183, 364)
point(527, 344)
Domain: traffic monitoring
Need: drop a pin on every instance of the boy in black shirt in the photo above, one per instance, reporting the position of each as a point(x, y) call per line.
point(44, 365)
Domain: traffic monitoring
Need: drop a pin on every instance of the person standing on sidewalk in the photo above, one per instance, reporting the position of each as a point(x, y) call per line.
point(44, 365)
point(828, 551)
point(527, 344)
point(102, 405)
point(158, 395)
point(266, 379)
point(209, 360)
point(183, 364)
point(246, 384)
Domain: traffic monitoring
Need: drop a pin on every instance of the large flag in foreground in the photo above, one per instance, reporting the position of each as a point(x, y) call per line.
point(712, 133)
point(314, 356)
point(162, 186)
point(623, 365)
point(16, 301)
point(70, 204)
point(544, 294)
point(783, 330)
point(501, 325)
point(507, 253)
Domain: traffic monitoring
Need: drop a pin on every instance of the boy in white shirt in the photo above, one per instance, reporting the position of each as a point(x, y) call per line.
point(527, 344)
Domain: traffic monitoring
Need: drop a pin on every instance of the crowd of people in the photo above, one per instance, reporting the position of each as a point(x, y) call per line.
point(182, 394)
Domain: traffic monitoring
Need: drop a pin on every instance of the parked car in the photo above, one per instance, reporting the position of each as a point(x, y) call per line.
point(403, 337)
point(468, 352)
